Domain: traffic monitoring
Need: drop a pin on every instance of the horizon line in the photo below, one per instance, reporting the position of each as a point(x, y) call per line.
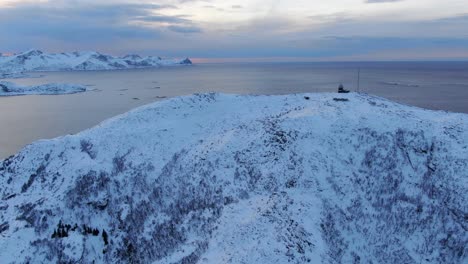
point(208, 60)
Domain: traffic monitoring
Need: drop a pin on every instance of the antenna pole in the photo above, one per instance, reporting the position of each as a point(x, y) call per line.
point(358, 79)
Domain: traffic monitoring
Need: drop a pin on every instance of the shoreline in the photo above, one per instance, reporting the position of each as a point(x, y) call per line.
point(162, 99)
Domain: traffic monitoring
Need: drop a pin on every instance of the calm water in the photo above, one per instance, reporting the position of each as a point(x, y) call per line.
point(24, 119)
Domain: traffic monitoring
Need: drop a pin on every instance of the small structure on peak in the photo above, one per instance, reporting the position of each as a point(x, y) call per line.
point(341, 89)
point(340, 99)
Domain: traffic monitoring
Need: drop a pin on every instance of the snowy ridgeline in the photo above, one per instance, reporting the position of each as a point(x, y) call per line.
point(11, 89)
point(244, 179)
point(36, 60)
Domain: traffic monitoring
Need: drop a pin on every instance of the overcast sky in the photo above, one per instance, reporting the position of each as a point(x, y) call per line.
point(238, 29)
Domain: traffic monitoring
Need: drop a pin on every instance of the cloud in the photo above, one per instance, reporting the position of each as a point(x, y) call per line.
point(81, 23)
point(184, 29)
point(268, 28)
point(164, 18)
point(382, 1)
point(456, 18)
point(332, 18)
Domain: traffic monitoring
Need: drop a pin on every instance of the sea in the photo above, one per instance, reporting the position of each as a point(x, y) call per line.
point(24, 119)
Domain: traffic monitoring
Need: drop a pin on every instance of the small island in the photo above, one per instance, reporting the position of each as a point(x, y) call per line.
point(12, 89)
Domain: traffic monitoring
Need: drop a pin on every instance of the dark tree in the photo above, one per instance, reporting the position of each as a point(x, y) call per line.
point(105, 237)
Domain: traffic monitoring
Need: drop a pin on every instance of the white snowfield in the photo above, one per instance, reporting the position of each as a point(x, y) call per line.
point(36, 60)
point(12, 89)
point(216, 178)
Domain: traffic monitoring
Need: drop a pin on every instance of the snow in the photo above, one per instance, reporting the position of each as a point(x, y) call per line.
point(215, 178)
point(12, 89)
point(36, 60)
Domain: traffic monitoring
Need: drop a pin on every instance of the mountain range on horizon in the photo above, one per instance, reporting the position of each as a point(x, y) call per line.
point(36, 60)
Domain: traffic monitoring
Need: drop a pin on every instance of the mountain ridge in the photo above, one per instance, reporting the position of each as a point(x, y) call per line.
point(212, 178)
point(36, 60)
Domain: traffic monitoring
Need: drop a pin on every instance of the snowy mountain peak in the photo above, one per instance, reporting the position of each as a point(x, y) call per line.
point(32, 52)
point(215, 178)
point(132, 57)
point(36, 60)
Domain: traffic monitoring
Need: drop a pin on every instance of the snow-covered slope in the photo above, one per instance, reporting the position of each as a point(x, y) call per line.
point(217, 178)
point(36, 60)
point(11, 89)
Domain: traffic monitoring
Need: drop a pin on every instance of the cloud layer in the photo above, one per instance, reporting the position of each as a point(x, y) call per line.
point(231, 29)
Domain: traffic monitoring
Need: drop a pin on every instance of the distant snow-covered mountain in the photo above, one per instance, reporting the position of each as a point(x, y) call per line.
point(36, 60)
point(12, 89)
point(244, 179)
